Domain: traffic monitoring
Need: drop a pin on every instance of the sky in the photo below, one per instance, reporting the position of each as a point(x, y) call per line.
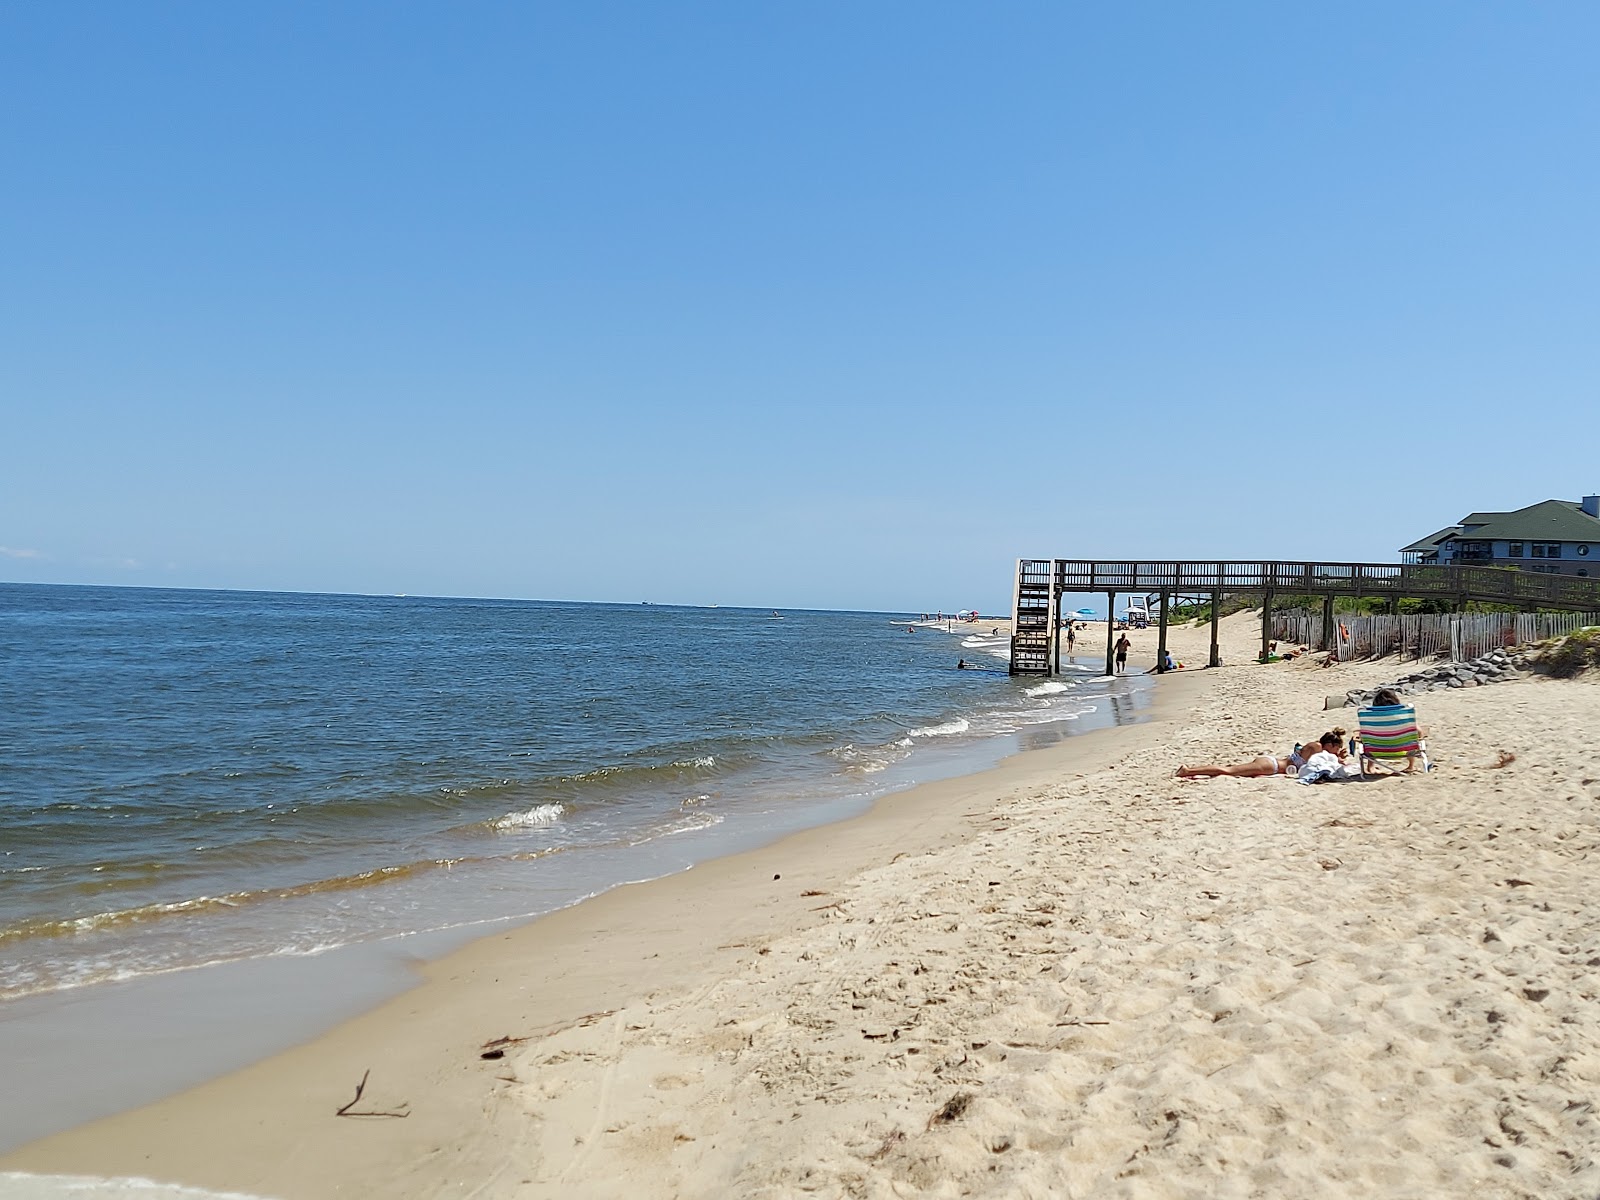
point(792, 305)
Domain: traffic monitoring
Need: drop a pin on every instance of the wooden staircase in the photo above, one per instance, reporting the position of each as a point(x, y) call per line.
point(1033, 617)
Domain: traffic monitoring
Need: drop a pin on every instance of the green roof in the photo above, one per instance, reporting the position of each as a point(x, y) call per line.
point(1547, 521)
point(1432, 541)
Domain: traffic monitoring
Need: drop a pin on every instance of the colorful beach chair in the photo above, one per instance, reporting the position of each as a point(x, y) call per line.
point(1389, 733)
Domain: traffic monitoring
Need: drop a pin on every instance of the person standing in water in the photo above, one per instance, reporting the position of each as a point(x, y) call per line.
point(1123, 646)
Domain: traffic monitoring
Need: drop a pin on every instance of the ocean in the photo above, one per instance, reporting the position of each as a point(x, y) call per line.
point(191, 778)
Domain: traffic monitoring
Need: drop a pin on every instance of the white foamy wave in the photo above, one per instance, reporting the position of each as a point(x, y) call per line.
point(959, 725)
point(539, 814)
point(872, 765)
point(703, 762)
point(692, 823)
point(869, 760)
point(310, 951)
point(1048, 689)
point(85, 1187)
point(977, 643)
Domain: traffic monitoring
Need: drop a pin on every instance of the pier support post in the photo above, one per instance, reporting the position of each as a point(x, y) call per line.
point(1055, 629)
point(1111, 637)
point(1325, 642)
point(1161, 637)
point(1216, 616)
point(1266, 623)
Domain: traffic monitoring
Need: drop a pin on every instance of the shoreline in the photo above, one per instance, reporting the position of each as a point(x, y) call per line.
point(147, 1013)
point(1070, 975)
point(595, 954)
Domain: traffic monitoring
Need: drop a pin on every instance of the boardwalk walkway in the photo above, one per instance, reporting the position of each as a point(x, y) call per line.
point(1041, 583)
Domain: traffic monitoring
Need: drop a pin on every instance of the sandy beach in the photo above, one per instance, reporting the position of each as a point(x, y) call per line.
point(1072, 975)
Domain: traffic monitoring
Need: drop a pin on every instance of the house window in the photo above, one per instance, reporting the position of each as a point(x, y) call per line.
point(1545, 570)
point(1547, 550)
point(1583, 550)
point(1514, 550)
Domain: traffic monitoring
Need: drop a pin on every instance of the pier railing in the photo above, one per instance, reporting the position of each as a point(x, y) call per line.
point(1494, 585)
point(1041, 582)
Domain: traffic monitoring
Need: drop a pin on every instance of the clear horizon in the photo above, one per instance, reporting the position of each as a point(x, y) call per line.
point(506, 599)
point(835, 309)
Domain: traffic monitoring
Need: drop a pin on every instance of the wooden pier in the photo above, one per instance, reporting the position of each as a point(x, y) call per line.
point(1042, 582)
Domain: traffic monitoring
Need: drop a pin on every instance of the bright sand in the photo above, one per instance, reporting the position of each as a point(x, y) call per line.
point(1073, 975)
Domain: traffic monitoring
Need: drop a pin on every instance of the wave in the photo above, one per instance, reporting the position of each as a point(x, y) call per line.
point(539, 814)
point(691, 823)
point(944, 729)
point(147, 913)
point(92, 1187)
point(869, 760)
point(1048, 689)
point(364, 800)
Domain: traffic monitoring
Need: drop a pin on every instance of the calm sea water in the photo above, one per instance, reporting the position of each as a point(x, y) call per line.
point(190, 777)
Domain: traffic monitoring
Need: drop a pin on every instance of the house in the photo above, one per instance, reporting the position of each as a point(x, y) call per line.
point(1553, 537)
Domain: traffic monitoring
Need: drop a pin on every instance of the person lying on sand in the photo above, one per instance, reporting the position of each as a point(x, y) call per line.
point(1269, 764)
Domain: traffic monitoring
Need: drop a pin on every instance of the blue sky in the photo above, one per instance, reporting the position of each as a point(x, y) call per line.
point(794, 305)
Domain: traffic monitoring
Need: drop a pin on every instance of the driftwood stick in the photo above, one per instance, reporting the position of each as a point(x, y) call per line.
point(349, 1109)
point(360, 1087)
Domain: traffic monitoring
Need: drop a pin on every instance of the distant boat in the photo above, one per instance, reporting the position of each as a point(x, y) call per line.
point(776, 616)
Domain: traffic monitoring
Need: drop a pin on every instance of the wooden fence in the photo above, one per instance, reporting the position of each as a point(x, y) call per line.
point(1455, 636)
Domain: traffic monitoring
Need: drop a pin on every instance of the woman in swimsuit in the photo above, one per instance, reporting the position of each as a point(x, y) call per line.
point(1268, 764)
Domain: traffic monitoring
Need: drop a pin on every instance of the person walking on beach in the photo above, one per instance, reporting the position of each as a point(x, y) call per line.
point(1123, 646)
point(1072, 638)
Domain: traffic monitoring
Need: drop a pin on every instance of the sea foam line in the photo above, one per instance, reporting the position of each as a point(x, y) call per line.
point(50, 1187)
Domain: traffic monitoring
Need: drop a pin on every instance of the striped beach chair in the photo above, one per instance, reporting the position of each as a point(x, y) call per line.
point(1389, 733)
